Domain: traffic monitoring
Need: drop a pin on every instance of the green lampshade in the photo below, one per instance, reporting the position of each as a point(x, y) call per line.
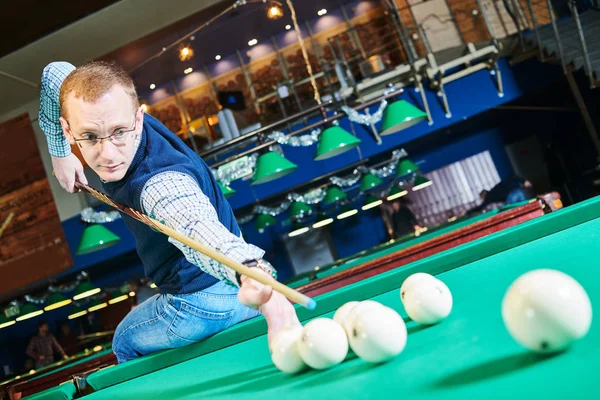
point(298, 229)
point(118, 296)
point(400, 115)
point(96, 237)
point(227, 191)
point(406, 167)
point(271, 166)
point(334, 194)
point(77, 312)
point(369, 181)
point(85, 289)
point(346, 212)
point(56, 300)
point(333, 141)
point(5, 322)
point(396, 192)
point(371, 202)
point(322, 220)
point(96, 305)
point(263, 221)
point(421, 182)
point(299, 210)
point(29, 311)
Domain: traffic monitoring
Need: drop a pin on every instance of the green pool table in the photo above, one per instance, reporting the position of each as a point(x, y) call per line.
point(469, 355)
point(58, 372)
point(411, 248)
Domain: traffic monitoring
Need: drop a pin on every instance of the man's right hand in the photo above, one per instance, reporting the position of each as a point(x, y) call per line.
point(67, 170)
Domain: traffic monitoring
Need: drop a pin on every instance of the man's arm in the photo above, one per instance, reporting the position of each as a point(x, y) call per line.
point(67, 167)
point(52, 78)
point(31, 350)
point(176, 199)
point(58, 347)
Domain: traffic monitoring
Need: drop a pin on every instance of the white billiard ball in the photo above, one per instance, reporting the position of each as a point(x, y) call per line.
point(358, 309)
point(378, 335)
point(546, 310)
point(284, 349)
point(413, 280)
point(342, 312)
point(428, 301)
point(323, 343)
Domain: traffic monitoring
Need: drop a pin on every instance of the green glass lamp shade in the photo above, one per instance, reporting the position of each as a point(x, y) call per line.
point(96, 237)
point(322, 220)
point(396, 192)
point(264, 220)
point(29, 311)
point(369, 181)
point(371, 202)
point(118, 296)
point(334, 194)
point(56, 300)
point(406, 167)
point(333, 141)
point(96, 305)
point(346, 212)
point(298, 229)
point(85, 289)
point(421, 182)
point(77, 312)
point(400, 115)
point(227, 191)
point(271, 166)
point(5, 322)
point(299, 210)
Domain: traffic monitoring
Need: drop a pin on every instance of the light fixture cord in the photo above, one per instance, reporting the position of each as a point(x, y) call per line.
point(313, 81)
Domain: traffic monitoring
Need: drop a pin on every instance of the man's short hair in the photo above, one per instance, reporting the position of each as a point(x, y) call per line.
point(94, 79)
point(41, 323)
point(483, 193)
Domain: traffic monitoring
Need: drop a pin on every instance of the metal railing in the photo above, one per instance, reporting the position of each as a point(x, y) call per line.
point(538, 14)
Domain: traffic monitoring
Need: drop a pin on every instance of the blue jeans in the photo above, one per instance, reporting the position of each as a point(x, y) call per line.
point(166, 321)
point(516, 196)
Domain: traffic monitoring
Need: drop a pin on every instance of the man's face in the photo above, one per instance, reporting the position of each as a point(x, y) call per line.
point(43, 330)
point(112, 114)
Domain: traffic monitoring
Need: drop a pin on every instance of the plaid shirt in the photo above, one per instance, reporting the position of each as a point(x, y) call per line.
point(52, 78)
point(43, 346)
point(172, 197)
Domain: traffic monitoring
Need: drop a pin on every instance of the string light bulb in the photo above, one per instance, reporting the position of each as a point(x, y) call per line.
point(274, 11)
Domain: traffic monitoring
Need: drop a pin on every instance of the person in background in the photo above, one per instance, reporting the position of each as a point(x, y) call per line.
point(89, 324)
point(41, 347)
point(508, 191)
point(404, 221)
point(67, 339)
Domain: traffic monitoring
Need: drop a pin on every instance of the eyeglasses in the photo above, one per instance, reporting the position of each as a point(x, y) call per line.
point(118, 138)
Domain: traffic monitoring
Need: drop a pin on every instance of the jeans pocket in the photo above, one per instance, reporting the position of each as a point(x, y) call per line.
point(192, 324)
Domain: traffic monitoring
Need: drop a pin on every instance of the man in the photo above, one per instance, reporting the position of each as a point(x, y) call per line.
point(508, 191)
point(145, 166)
point(404, 221)
point(41, 347)
point(67, 339)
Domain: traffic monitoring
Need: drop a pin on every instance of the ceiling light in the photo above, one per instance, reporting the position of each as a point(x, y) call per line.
point(218, 57)
point(187, 70)
point(288, 27)
point(252, 42)
point(321, 12)
point(153, 86)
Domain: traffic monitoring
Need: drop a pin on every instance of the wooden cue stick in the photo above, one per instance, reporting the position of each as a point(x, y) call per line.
point(237, 266)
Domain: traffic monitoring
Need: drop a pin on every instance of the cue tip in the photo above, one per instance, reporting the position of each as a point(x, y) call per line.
point(311, 305)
